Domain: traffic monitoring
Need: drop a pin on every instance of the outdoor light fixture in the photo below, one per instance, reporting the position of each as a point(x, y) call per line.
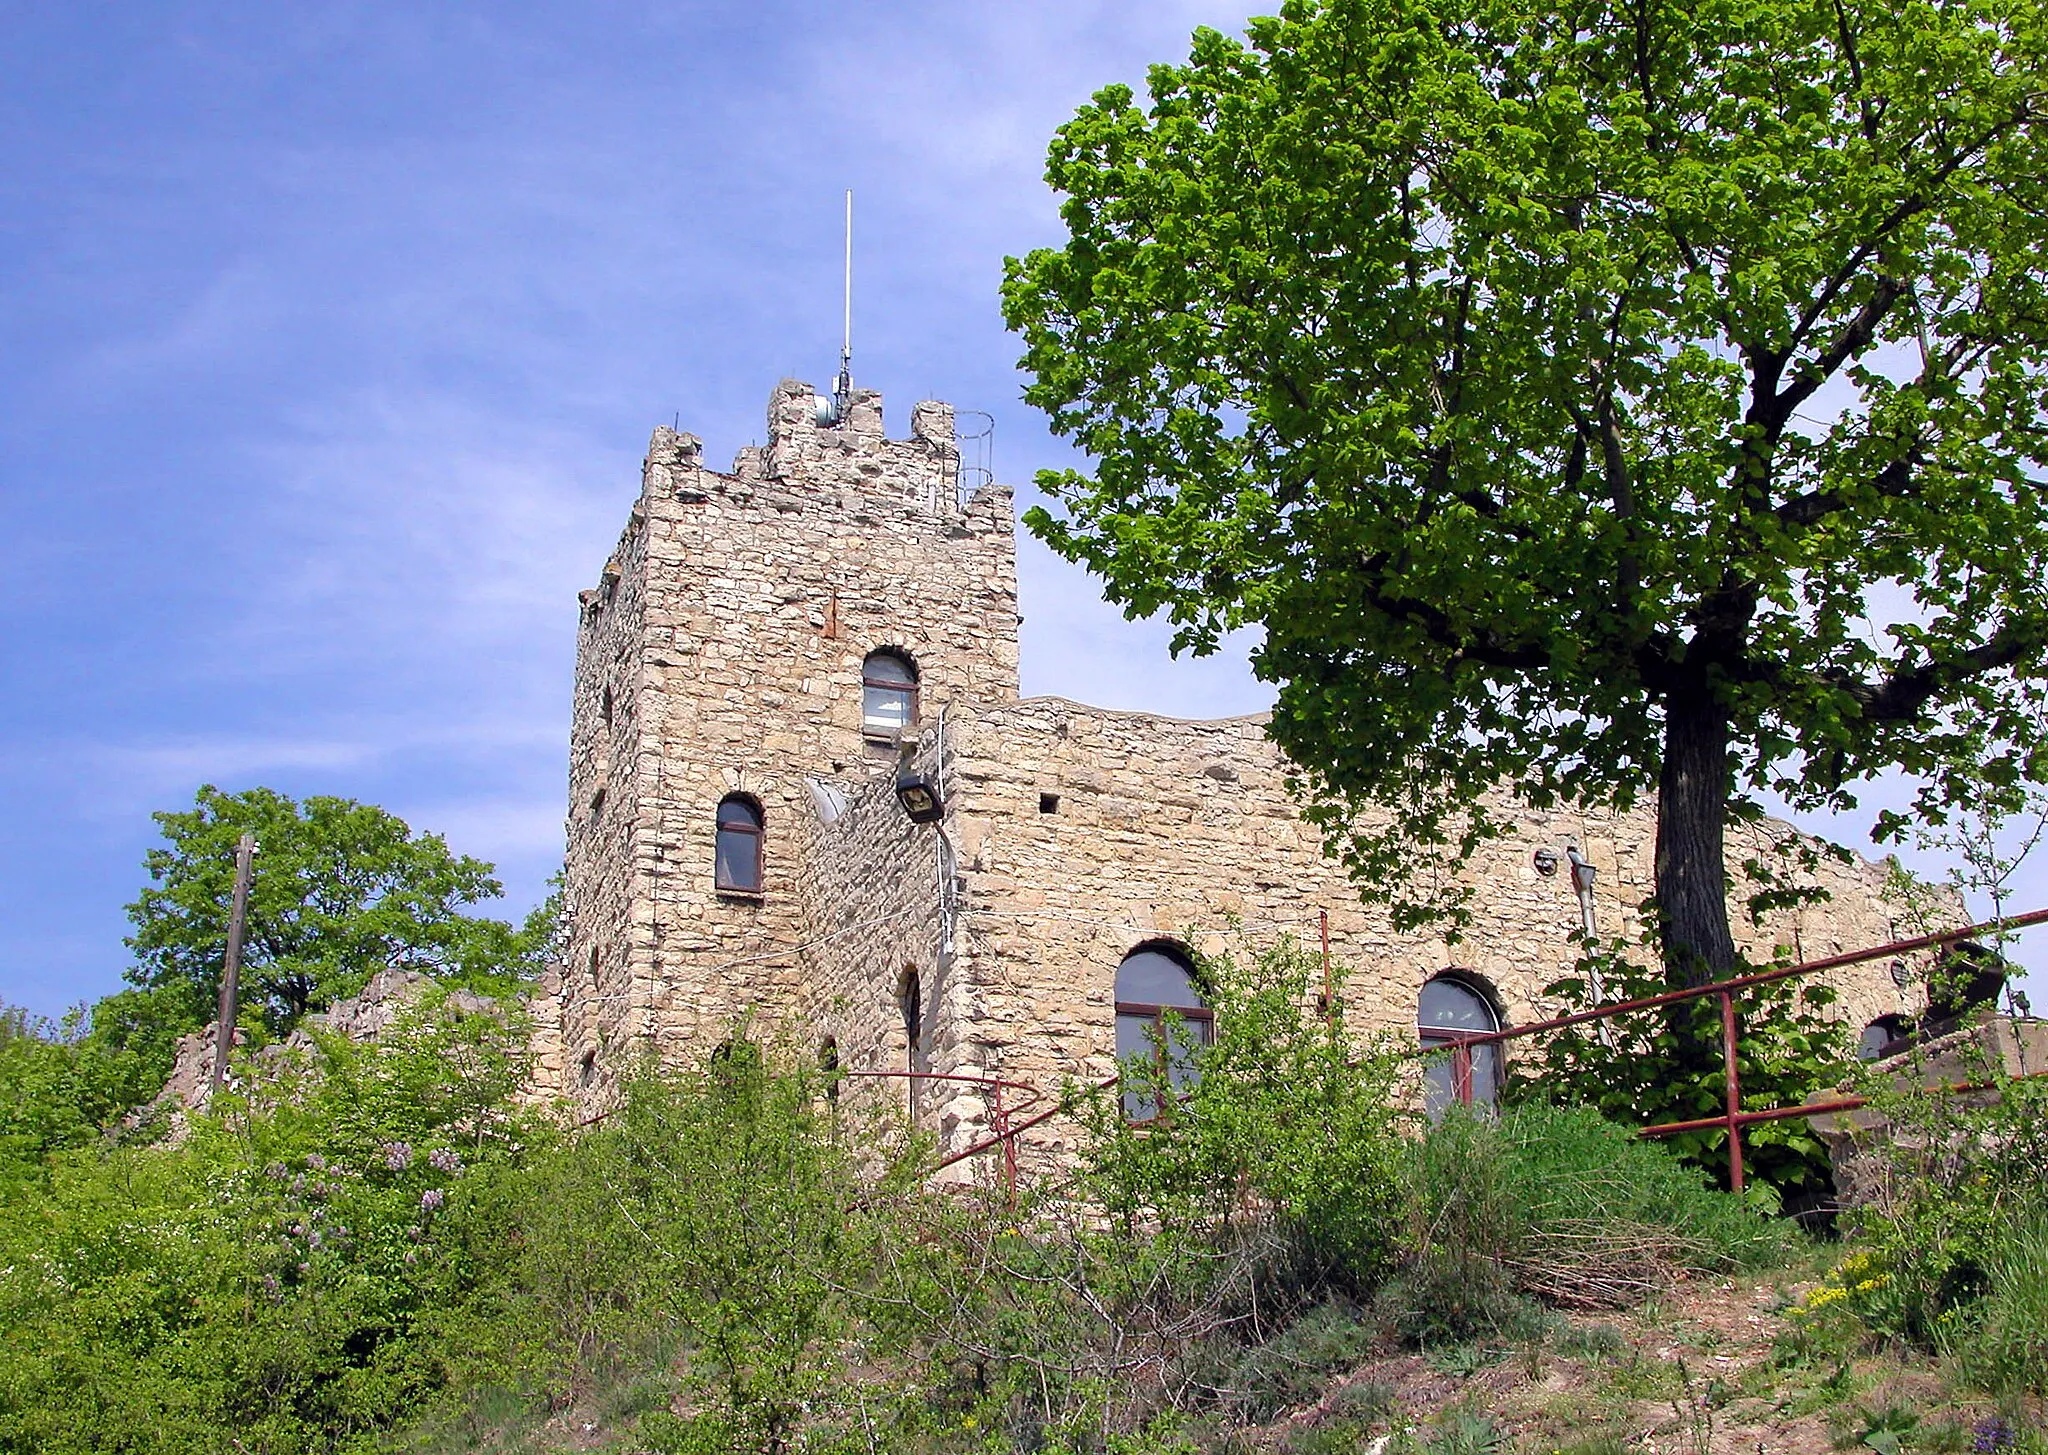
point(919, 796)
point(1546, 861)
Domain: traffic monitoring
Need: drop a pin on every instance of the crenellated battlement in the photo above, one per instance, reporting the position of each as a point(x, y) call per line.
point(843, 462)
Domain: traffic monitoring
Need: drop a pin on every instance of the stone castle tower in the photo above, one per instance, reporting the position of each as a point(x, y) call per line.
point(764, 650)
point(721, 657)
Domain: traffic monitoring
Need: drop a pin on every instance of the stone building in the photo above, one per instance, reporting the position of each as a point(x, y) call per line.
point(763, 649)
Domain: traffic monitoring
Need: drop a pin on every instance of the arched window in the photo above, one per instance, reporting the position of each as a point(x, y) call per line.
point(888, 695)
point(1151, 981)
point(738, 857)
point(910, 1006)
point(828, 1068)
point(1883, 1037)
point(1453, 1008)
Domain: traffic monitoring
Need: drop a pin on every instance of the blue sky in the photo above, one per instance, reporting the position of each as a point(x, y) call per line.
point(331, 336)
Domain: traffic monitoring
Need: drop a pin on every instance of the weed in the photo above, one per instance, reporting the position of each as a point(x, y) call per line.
point(1465, 1360)
point(1887, 1428)
point(1456, 1432)
point(1334, 1437)
point(1363, 1400)
point(1694, 1405)
point(1636, 1376)
point(1291, 1368)
point(1591, 1342)
point(1601, 1444)
point(1840, 1386)
point(2000, 1343)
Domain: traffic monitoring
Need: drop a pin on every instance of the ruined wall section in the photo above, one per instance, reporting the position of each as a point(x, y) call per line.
point(591, 1008)
point(877, 892)
point(764, 590)
point(1085, 833)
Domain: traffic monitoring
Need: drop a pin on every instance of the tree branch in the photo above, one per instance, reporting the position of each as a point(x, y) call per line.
point(1894, 481)
point(1904, 694)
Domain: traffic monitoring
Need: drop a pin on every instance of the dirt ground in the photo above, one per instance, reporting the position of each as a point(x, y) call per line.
point(1688, 1374)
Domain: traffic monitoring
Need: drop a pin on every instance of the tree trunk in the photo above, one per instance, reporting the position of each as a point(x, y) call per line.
point(1692, 816)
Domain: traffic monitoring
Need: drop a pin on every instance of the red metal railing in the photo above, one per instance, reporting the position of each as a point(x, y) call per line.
point(1004, 1134)
point(1734, 1118)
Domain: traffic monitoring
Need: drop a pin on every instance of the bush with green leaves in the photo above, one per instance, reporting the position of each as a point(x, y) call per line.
point(1285, 1119)
point(1644, 1072)
point(754, 1227)
point(2001, 1343)
point(1951, 1255)
point(1268, 1184)
point(66, 1084)
point(1559, 1204)
point(279, 1276)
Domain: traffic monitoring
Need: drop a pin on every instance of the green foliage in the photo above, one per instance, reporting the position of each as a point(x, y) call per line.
point(2002, 1344)
point(340, 891)
point(1267, 1187)
point(1475, 352)
point(65, 1085)
point(275, 1279)
point(1291, 1368)
point(1557, 1203)
point(1282, 1116)
point(1788, 1051)
point(1964, 1189)
point(751, 1225)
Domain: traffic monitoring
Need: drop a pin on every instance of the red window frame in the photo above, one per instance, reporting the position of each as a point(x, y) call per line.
point(885, 684)
point(756, 830)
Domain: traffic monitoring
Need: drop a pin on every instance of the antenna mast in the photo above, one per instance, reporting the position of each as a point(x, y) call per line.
point(842, 387)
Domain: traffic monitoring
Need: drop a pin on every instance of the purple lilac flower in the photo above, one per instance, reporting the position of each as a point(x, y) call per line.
point(431, 1199)
point(315, 1161)
point(1993, 1436)
point(397, 1155)
point(444, 1159)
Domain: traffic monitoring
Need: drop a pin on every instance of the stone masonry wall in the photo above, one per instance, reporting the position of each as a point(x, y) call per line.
point(876, 894)
point(1084, 833)
point(741, 612)
point(594, 982)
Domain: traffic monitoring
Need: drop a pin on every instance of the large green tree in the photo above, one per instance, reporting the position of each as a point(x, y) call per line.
point(340, 891)
point(1583, 397)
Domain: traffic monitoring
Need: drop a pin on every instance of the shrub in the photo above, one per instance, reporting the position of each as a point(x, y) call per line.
point(1964, 1188)
point(1554, 1202)
point(1284, 1121)
point(2001, 1343)
point(276, 1279)
point(1640, 1075)
point(1293, 1367)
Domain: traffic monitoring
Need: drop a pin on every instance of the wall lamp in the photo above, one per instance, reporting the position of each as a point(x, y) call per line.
point(919, 796)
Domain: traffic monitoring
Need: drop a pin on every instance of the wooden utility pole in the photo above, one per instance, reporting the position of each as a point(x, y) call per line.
point(231, 972)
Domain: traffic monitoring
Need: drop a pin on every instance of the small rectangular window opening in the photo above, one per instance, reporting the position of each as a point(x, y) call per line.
point(1048, 803)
